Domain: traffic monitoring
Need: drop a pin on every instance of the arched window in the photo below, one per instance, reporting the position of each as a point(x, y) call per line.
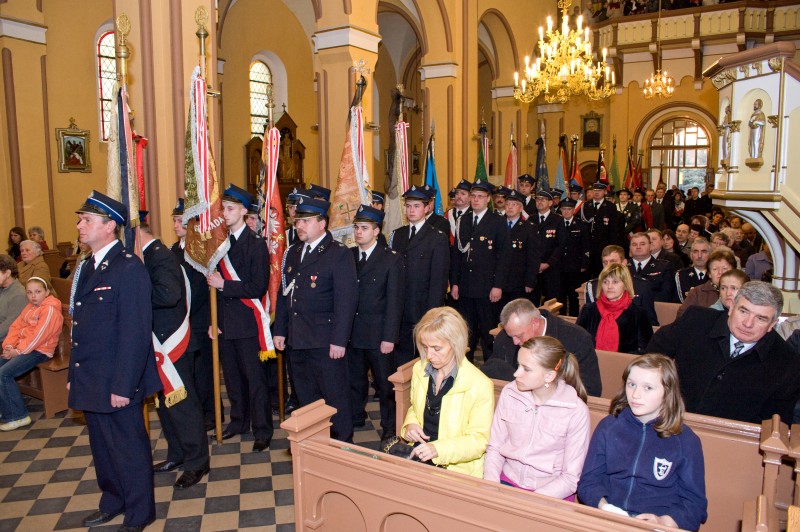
point(679, 153)
point(260, 85)
point(106, 77)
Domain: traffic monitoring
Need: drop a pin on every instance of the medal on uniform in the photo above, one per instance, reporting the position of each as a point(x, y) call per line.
point(514, 244)
point(482, 238)
point(313, 281)
point(490, 243)
point(289, 269)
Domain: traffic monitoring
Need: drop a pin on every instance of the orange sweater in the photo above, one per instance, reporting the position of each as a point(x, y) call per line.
point(37, 328)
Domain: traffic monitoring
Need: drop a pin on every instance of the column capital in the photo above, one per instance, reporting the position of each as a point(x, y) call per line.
point(346, 36)
point(440, 70)
point(502, 92)
point(22, 30)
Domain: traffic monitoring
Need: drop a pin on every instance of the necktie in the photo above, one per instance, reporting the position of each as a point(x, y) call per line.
point(638, 267)
point(232, 239)
point(458, 215)
point(413, 232)
point(363, 260)
point(475, 221)
point(306, 253)
point(701, 276)
point(541, 218)
point(738, 347)
point(510, 224)
point(567, 224)
point(596, 205)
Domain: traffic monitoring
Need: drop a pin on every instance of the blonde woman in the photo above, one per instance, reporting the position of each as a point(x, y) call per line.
point(451, 400)
point(615, 323)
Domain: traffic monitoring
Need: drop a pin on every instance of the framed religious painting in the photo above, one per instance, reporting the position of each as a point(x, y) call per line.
point(73, 148)
point(591, 130)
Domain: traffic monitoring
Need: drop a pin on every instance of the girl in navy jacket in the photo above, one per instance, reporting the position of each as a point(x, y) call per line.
point(642, 460)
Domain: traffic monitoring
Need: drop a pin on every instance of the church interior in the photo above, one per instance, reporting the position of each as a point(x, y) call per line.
point(457, 62)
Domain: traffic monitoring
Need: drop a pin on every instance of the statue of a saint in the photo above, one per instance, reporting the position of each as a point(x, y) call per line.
point(758, 121)
point(725, 127)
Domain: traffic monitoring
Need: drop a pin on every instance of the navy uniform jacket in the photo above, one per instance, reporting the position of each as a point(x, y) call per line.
point(530, 206)
point(485, 265)
point(661, 277)
point(112, 324)
point(607, 226)
point(575, 255)
point(632, 215)
point(381, 283)
point(427, 261)
point(686, 279)
point(525, 255)
point(168, 295)
point(643, 297)
point(250, 259)
point(317, 311)
point(200, 316)
point(552, 236)
point(439, 222)
point(672, 258)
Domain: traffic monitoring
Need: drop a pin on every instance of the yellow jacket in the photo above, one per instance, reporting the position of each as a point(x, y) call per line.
point(465, 420)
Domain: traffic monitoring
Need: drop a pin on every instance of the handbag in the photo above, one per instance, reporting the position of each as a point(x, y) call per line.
point(399, 447)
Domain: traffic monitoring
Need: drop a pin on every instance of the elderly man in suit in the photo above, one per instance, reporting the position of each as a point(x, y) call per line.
point(522, 321)
point(426, 255)
point(315, 311)
point(376, 328)
point(734, 365)
point(656, 210)
point(112, 367)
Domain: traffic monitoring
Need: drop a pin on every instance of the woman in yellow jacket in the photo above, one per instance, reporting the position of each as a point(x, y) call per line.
point(452, 402)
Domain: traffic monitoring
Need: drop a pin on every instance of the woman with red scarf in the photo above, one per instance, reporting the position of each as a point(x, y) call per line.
point(615, 323)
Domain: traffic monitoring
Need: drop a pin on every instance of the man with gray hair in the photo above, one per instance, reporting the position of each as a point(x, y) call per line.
point(522, 321)
point(734, 366)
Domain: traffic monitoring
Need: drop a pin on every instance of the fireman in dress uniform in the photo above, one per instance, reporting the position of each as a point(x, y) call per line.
point(525, 184)
point(606, 226)
point(478, 268)
point(575, 257)
point(314, 316)
point(378, 201)
point(460, 206)
point(524, 254)
point(376, 328)
point(631, 213)
point(551, 235)
point(436, 220)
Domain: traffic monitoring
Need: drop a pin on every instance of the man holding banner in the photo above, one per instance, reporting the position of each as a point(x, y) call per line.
point(245, 342)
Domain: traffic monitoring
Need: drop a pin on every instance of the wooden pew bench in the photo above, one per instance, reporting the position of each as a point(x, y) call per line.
point(48, 381)
point(734, 468)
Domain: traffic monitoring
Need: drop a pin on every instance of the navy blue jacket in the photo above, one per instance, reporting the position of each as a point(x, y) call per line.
point(380, 299)
point(112, 325)
point(200, 315)
point(640, 472)
point(485, 265)
point(168, 296)
point(318, 310)
point(250, 259)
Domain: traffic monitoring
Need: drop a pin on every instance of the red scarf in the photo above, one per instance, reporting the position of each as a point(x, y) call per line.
point(607, 337)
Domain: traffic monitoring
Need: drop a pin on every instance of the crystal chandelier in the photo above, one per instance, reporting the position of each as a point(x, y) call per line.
point(659, 83)
point(564, 66)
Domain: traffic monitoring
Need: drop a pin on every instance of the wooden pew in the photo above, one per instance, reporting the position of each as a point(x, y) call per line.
point(734, 469)
point(48, 381)
point(666, 312)
point(54, 259)
point(339, 486)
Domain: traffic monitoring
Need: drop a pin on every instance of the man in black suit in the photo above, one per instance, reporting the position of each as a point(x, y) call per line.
point(658, 273)
point(574, 258)
point(656, 210)
point(696, 274)
point(522, 321)
point(199, 319)
point(112, 368)
point(436, 220)
point(315, 311)
point(552, 235)
point(734, 365)
point(631, 213)
point(376, 329)
point(658, 252)
point(525, 184)
point(178, 406)
point(643, 293)
point(524, 255)
point(426, 254)
point(606, 227)
point(478, 268)
point(460, 206)
point(242, 281)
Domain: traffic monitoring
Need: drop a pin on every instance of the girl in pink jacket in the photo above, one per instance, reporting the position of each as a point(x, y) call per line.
point(540, 431)
point(31, 340)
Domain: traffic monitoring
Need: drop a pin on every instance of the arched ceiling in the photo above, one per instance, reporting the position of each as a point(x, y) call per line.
point(398, 37)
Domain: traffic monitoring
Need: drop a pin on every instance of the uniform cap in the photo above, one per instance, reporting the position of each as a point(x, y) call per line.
point(416, 193)
point(378, 197)
point(310, 207)
point(366, 213)
point(322, 192)
point(179, 207)
point(482, 185)
point(238, 195)
point(526, 178)
point(103, 205)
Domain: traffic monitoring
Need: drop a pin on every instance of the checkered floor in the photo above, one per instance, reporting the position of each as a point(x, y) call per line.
point(47, 480)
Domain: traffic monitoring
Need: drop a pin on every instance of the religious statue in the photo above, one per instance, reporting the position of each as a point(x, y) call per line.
point(725, 130)
point(758, 121)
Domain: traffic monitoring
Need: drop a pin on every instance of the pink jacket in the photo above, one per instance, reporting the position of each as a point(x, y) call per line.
point(539, 447)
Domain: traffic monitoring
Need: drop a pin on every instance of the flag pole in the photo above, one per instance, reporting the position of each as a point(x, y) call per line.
point(201, 18)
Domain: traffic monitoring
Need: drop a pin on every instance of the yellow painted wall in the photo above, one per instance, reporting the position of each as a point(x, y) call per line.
point(245, 34)
point(72, 92)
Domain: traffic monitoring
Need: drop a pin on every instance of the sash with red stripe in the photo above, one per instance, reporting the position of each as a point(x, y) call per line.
point(170, 352)
point(258, 306)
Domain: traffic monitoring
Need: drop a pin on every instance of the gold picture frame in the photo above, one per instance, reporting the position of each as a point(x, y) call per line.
point(73, 148)
point(591, 131)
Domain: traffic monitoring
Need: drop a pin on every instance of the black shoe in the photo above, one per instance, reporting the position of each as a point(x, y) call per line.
point(228, 434)
point(190, 478)
point(98, 518)
point(358, 423)
point(260, 445)
point(165, 467)
point(124, 528)
point(290, 407)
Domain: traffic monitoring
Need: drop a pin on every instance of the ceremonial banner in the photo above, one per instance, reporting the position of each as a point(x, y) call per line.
point(512, 166)
point(121, 179)
point(430, 178)
point(542, 177)
point(394, 205)
point(206, 234)
point(614, 171)
point(561, 169)
point(575, 172)
point(272, 225)
point(602, 173)
point(482, 168)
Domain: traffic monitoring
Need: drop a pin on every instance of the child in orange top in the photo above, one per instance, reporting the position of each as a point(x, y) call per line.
point(31, 340)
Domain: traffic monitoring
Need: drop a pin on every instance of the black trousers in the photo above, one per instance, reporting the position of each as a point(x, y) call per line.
point(568, 296)
point(318, 376)
point(246, 383)
point(481, 316)
point(547, 285)
point(405, 350)
point(183, 424)
point(204, 375)
point(123, 463)
point(382, 366)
